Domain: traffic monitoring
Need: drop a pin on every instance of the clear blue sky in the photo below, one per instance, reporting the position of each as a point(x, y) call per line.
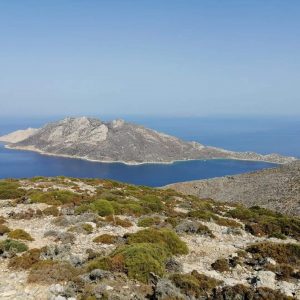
point(155, 57)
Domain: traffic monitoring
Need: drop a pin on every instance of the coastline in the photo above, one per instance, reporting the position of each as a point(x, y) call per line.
point(32, 149)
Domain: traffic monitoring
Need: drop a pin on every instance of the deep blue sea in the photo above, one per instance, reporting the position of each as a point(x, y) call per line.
point(263, 135)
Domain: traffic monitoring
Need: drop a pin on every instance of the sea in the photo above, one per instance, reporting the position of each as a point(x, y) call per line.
point(259, 134)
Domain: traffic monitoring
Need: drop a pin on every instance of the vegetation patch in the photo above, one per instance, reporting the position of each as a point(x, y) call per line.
point(50, 272)
point(102, 207)
point(55, 197)
point(118, 221)
point(20, 234)
point(106, 239)
point(164, 237)
point(221, 265)
point(4, 229)
point(51, 211)
point(26, 260)
point(281, 253)
point(10, 190)
point(195, 284)
point(263, 222)
point(136, 260)
point(149, 221)
point(12, 246)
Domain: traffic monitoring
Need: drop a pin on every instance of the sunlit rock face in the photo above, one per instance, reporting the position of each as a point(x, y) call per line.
point(90, 138)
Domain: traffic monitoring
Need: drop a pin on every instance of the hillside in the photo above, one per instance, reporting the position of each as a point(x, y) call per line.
point(119, 141)
point(86, 239)
point(277, 188)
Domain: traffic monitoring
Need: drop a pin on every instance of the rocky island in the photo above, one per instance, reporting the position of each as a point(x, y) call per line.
point(119, 141)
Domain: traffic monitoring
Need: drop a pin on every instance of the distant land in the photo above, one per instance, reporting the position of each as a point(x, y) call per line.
point(119, 141)
point(276, 188)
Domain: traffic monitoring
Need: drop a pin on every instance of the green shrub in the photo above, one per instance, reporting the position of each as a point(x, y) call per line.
point(136, 260)
point(152, 203)
point(87, 227)
point(118, 221)
point(260, 221)
point(55, 197)
point(149, 221)
point(195, 284)
point(164, 237)
point(20, 234)
point(102, 207)
point(82, 208)
point(10, 190)
point(204, 215)
point(12, 245)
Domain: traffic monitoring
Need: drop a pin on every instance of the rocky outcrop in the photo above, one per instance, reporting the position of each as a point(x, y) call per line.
point(119, 141)
point(277, 189)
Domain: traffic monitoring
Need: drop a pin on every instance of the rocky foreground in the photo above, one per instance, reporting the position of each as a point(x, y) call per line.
point(65, 238)
point(119, 141)
point(277, 188)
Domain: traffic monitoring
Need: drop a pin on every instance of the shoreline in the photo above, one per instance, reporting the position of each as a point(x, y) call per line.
point(32, 149)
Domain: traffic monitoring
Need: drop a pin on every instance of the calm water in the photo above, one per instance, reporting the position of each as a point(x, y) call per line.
point(260, 135)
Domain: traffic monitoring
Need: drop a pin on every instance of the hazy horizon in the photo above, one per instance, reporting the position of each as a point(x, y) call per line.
point(165, 58)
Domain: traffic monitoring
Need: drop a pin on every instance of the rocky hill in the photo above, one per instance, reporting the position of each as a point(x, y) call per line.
point(92, 139)
point(277, 189)
point(66, 239)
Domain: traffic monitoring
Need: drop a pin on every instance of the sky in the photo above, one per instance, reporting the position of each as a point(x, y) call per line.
point(170, 57)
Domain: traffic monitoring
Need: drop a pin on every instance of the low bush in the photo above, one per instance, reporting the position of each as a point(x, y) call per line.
point(118, 221)
point(20, 234)
point(10, 190)
point(102, 207)
point(281, 253)
point(136, 260)
point(51, 211)
point(151, 203)
point(221, 265)
point(55, 197)
point(26, 260)
point(204, 215)
point(149, 221)
point(106, 239)
point(195, 284)
point(12, 246)
point(260, 222)
point(164, 237)
point(4, 229)
point(50, 272)
point(228, 223)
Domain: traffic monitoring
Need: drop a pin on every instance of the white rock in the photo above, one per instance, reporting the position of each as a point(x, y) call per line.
point(266, 279)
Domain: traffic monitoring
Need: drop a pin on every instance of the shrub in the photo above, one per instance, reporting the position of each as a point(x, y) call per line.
point(10, 190)
point(26, 260)
point(149, 221)
point(51, 211)
point(50, 272)
point(118, 222)
point(282, 253)
point(102, 207)
point(4, 229)
point(260, 221)
point(55, 197)
point(204, 215)
point(152, 203)
point(164, 237)
point(82, 208)
point(20, 234)
point(2, 220)
point(136, 260)
point(12, 245)
point(87, 227)
point(106, 239)
point(195, 284)
point(221, 265)
point(228, 223)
